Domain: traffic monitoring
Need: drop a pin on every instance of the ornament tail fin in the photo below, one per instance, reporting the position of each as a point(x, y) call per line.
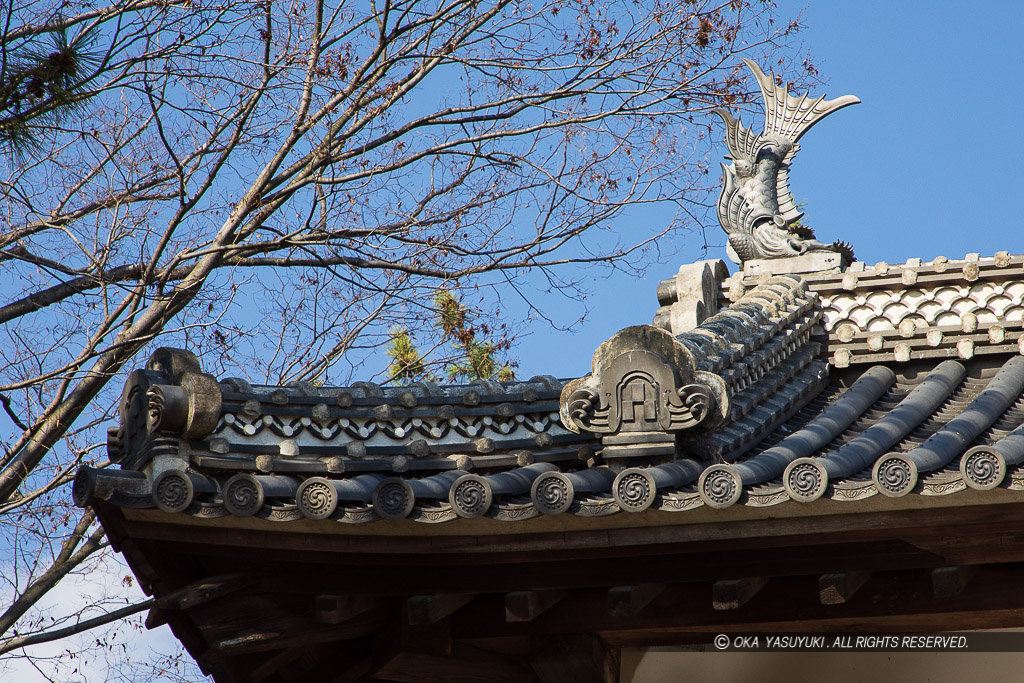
point(787, 115)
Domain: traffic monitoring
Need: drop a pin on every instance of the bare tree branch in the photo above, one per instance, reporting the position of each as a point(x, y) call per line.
point(67, 559)
point(85, 625)
point(284, 188)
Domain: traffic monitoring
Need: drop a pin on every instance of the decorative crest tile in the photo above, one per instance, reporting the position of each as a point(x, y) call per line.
point(756, 208)
point(644, 387)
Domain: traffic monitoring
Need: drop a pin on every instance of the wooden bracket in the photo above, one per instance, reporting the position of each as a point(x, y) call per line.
point(734, 593)
point(204, 591)
point(528, 605)
point(428, 609)
point(336, 609)
point(626, 601)
point(835, 589)
point(949, 582)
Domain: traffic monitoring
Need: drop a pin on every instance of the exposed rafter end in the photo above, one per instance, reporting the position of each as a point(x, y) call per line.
point(835, 589)
point(949, 582)
point(337, 609)
point(624, 601)
point(528, 605)
point(734, 593)
point(429, 609)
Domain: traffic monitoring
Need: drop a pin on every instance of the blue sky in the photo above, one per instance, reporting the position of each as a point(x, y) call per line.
point(923, 167)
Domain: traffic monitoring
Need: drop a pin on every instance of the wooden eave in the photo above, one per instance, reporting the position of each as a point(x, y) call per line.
point(921, 533)
point(905, 564)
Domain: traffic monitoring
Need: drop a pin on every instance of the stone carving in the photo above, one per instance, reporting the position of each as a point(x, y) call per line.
point(634, 490)
point(552, 493)
point(243, 495)
point(190, 408)
point(513, 512)
point(703, 398)
point(209, 510)
point(943, 488)
point(643, 398)
point(471, 496)
point(895, 475)
point(643, 388)
point(129, 436)
point(317, 499)
point(859, 492)
point(805, 480)
point(983, 468)
point(755, 207)
point(432, 514)
point(172, 396)
point(763, 500)
point(167, 408)
point(81, 488)
point(720, 486)
point(597, 507)
point(393, 499)
point(917, 310)
point(173, 491)
point(280, 513)
point(360, 515)
point(126, 488)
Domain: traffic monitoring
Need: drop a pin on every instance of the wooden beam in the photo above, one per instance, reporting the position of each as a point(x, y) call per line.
point(624, 601)
point(835, 589)
point(156, 618)
point(336, 609)
point(195, 594)
point(734, 593)
point(140, 561)
point(293, 662)
point(784, 604)
point(609, 661)
point(205, 590)
point(942, 529)
point(264, 640)
point(348, 662)
point(379, 576)
point(428, 609)
point(528, 605)
point(949, 582)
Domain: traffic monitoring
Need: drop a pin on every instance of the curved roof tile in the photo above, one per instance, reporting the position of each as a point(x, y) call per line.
point(828, 385)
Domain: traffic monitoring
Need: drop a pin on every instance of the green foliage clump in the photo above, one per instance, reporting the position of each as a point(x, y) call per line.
point(466, 356)
point(406, 362)
point(40, 84)
point(478, 358)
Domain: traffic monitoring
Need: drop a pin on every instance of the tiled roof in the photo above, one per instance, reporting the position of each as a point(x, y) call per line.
point(935, 309)
point(899, 380)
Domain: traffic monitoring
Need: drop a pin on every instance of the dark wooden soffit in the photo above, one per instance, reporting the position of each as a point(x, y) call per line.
point(261, 605)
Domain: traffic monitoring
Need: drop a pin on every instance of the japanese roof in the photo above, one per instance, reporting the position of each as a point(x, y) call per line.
point(748, 390)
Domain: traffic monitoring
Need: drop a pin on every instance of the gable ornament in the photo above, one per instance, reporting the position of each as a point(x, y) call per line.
point(642, 390)
point(756, 208)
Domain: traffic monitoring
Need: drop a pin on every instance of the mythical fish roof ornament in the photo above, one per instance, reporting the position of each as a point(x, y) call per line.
point(756, 207)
